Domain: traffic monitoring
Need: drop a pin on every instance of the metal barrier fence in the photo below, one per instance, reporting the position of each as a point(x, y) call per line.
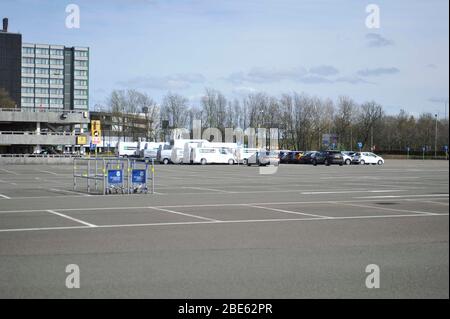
point(113, 175)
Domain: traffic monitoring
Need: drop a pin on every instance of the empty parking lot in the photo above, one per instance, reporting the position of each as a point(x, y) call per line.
point(229, 232)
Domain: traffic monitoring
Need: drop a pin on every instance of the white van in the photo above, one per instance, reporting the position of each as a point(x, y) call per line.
point(213, 155)
point(164, 154)
point(126, 149)
point(150, 149)
point(177, 154)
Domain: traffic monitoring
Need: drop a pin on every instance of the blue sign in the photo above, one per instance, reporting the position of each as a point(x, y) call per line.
point(115, 176)
point(360, 145)
point(423, 149)
point(138, 176)
point(92, 146)
point(407, 149)
point(446, 148)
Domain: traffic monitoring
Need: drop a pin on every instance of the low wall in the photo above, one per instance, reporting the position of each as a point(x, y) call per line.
point(36, 160)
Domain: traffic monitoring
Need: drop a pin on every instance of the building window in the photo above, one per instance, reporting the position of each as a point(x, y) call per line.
point(41, 81)
point(81, 63)
point(41, 91)
point(40, 100)
point(56, 52)
point(56, 72)
point(27, 70)
point(79, 102)
point(80, 82)
point(41, 71)
point(56, 91)
point(27, 90)
point(56, 101)
point(81, 53)
point(41, 61)
point(27, 50)
point(27, 100)
point(80, 92)
point(56, 81)
point(56, 62)
point(27, 60)
point(41, 51)
point(80, 73)
point(27, 80)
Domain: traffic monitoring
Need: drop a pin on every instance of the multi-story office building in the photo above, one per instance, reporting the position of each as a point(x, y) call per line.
point(55, 77)
point(50, 87)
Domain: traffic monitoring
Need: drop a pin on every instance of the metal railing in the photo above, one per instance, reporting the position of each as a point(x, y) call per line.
point(39, 133)
point(109, 175)
point(39, 155)
point(38, 110)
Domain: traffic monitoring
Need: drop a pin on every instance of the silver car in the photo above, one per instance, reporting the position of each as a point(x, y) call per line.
point(262, 158)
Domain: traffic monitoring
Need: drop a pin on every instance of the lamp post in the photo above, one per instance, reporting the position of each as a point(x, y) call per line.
point(435, 135)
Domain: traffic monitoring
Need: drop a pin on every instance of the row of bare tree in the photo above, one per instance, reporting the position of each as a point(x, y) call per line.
point(302, 120)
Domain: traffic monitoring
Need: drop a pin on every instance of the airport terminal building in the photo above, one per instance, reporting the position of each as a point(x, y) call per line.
point(49, 85)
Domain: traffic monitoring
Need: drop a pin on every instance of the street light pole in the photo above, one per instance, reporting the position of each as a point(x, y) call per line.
point(435, 135)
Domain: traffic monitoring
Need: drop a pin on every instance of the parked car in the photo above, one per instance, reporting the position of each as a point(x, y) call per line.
point(367, 158)
point(348, 156)
point(328, 158)
point(261, 158)
point(292, 157)
point(307, 157)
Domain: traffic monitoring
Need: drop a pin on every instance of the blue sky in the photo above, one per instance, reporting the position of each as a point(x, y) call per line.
point(320, 47)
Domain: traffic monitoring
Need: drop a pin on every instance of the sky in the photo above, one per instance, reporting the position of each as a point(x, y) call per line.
point(319, 47)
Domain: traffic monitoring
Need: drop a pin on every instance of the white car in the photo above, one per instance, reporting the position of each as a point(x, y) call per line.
point(348, 156)
point(367, 158)
point(263, 158)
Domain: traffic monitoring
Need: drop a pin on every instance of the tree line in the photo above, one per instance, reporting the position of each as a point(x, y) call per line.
point(302, 120)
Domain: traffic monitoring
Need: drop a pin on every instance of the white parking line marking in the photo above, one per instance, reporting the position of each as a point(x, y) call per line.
point(183, 214)
point(287, 211)
point(402, 196)
point(206, 189)
point(71, 218)
point(4, 196)
point(220, 222)
point(354, 191)
point(67, 191)
point(48, 172)
point(197, 205)
point(8, 171)
point(389, 209)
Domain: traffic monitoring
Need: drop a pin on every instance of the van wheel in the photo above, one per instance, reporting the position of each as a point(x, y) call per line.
point(245, 162)
point(203, 161)
point(166, 161)
point(314, 163)
point(348, 162)
point(230, 162)
point(362, 162)
point(380, 162)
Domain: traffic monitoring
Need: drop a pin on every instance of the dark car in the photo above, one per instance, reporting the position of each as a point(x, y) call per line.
point(291, 157)
point(328, 158)
point(307, 157)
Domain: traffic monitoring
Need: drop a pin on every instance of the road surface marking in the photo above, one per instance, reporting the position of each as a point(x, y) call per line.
point(71, 218)
point(219, 222)
point(4, 196)
point(184, 214)
point(288, 211)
